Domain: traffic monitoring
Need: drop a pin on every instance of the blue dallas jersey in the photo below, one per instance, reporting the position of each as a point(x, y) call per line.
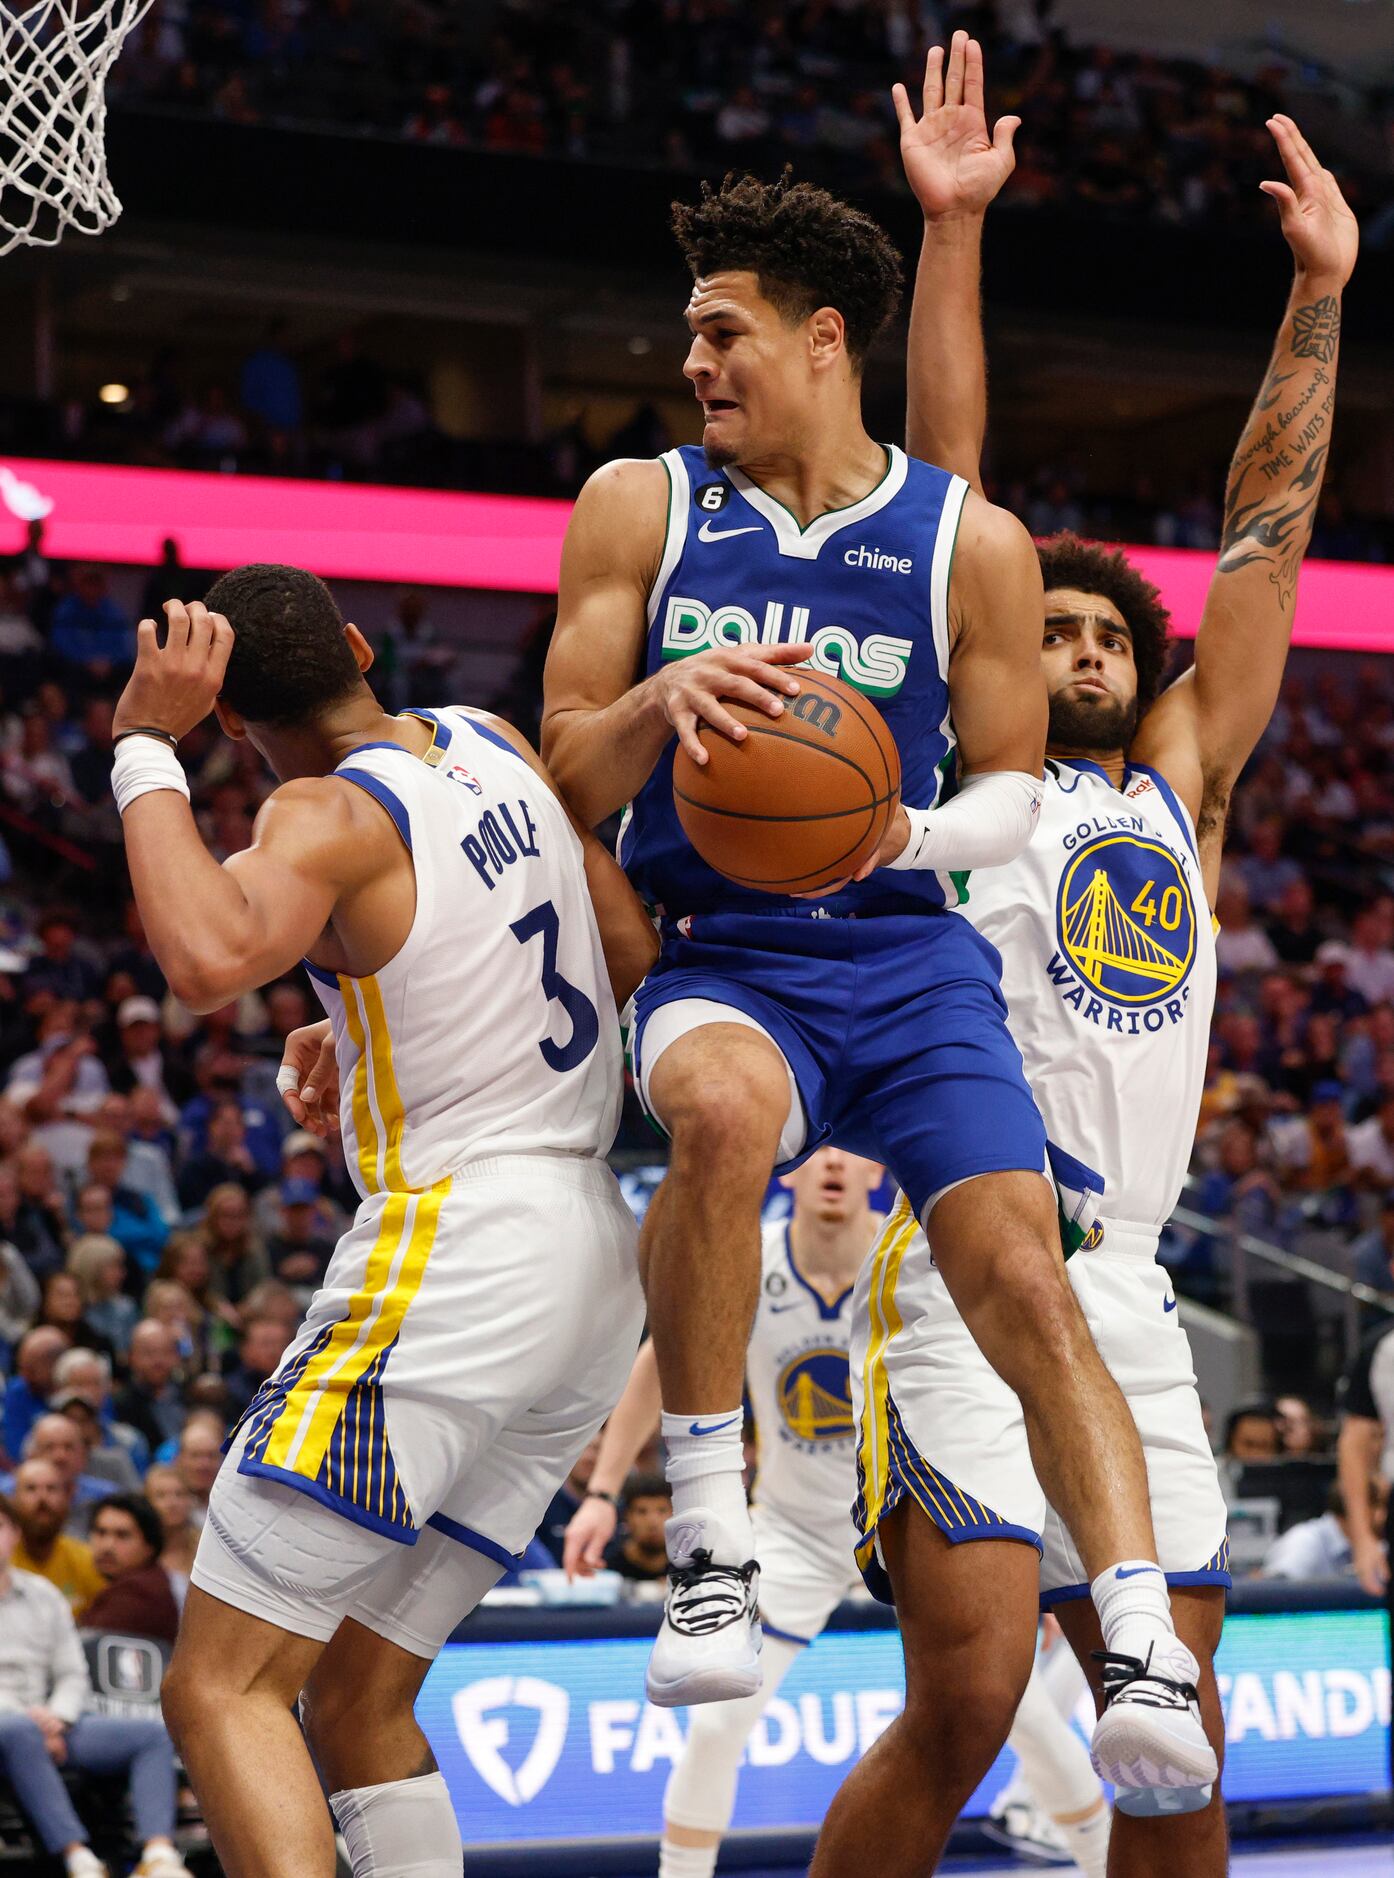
point(867, 586)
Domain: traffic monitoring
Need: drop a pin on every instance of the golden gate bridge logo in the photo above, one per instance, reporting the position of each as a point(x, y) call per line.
point(815, 1395)
point(1127, 919)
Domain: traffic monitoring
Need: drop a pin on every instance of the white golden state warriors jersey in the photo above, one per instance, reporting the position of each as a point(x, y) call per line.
point(799, 1381)
point(493, 1030)
point(1108, 966)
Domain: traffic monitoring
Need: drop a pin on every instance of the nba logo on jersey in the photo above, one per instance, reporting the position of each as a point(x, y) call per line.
point(458, 773)
point(1126, 931)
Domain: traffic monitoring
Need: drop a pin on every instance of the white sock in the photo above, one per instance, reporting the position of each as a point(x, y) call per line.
point(1088, 1842)
point(685, 1861)
point(402, 1829)
point(706, 1468)
point(1134, 1607)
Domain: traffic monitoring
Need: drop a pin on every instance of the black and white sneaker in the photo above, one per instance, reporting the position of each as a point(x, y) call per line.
point(1149, 1741)
point(1024, 1829)
point(708, 1646)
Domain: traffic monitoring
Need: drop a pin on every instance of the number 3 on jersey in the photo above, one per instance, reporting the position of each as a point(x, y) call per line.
point(585, 1020)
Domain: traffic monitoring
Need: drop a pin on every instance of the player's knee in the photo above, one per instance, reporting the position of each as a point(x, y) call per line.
point(188, 1692)
point(728, 1117)
point(956, 1743)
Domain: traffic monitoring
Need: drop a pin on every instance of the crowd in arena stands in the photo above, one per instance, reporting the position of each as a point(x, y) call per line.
point(692, 83)
point(163, 1224)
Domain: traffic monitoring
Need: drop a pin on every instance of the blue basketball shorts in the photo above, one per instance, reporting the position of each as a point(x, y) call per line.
point(894, 1028)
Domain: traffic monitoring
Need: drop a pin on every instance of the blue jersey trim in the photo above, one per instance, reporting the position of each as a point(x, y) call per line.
point(403, 1535)
point(467, 1536)
point(492, 736)
point(320, 975)
point(380, 793)
point(1168, 795)
point(1066, 1168)
point(442, 731)
point(785, 1636)
point(829, 1313)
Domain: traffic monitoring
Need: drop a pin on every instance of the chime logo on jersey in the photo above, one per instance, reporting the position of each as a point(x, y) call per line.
point(1126, 923)
point(814, 1392)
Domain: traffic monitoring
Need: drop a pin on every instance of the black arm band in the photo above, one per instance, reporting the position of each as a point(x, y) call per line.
point(146, 730)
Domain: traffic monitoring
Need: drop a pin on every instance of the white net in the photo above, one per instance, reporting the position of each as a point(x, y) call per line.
point(54, 59)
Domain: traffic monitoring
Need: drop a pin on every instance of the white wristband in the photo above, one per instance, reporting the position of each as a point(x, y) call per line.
point(987, 824)
point(142, 764)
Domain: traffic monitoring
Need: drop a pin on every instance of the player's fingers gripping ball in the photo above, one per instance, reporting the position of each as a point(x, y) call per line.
point(803, 801)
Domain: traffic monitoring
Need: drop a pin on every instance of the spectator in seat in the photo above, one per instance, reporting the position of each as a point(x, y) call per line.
point(260, 1348)
point(43, 1504)
point(199, 1456)
point(1292, 930)
point(1251, 1435)
point(40, 1228)
point(142, 1060)
point(299, 1248)
point(27, 1392)
point(89, 629)
point(169, 1303)
point(304, 1157)
point(19, 1289)
point(225, 1157)
point(98, 1262)
point(102, 1460)
point(165, 1489)
point(62, 1305)
point(57, 1439)
point(84, 1373)
point(1266, 870)
point(126, 1539)
point(150, 1403)
point(638, 1550)
point(1369, 960)
point(61, 967)
point(1299, 1433)
point(1321, 1548)
point(1372, 1147)
point(236, 1250)
point(44, 1692)
point(1241, 945)
point(136, 1220)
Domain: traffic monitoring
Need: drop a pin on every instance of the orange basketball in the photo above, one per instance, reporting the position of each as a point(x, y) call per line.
point(804, 801)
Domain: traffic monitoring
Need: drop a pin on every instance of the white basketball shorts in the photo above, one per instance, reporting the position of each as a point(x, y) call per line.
point(466, 1345)
point(804, 1575)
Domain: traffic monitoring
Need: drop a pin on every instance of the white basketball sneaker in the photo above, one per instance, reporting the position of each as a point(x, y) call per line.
point(1149, 1740)
point(708, 1646)
point(1027, 1831)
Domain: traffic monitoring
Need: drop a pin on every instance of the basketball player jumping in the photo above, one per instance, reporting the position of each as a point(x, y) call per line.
point(1108, 962)
point(871, 1017)
point(799, 1387)
point(480, 1315)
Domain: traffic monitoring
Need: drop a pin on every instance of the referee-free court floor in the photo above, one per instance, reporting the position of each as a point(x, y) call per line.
point(1328, 1858)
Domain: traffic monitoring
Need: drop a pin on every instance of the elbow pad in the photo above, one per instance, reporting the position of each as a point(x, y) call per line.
point(989, 822)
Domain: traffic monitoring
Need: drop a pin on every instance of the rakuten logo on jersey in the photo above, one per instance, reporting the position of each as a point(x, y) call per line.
point(878, 560)
point(875, 665)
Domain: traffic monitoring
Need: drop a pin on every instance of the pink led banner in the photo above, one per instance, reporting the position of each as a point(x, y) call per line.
point(353, 531)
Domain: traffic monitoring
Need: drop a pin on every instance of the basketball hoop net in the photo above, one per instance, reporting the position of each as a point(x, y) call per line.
point(54, 60)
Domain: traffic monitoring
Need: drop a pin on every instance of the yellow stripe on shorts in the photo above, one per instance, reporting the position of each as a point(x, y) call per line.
point(396, 1266)
point(886, 1261)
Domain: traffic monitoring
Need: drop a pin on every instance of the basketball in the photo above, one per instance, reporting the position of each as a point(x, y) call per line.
point(804, 801)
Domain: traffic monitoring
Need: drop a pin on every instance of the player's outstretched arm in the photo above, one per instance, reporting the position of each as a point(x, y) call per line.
point(634, 1421)
point(627, 934)
point(955, 169)
point(217, 931)
point(602, 732)
point(1203, 729)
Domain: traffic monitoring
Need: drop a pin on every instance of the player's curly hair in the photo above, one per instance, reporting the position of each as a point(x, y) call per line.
point(290, 660)
point(1066, 561)
point(806, 248)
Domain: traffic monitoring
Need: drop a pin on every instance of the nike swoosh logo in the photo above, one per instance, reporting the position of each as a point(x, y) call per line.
point(713, 1428)
point(775, 1309)
point(707, 533)
point(1136, 1571)
point(1169, 1304)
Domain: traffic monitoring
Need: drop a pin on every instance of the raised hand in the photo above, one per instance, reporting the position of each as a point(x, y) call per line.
point(173, 686)
point(1314, 216)
point(951, 163)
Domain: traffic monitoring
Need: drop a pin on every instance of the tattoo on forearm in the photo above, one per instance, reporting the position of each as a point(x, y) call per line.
point(1271, 387)
point(1316, 329)
point(1277, 534)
